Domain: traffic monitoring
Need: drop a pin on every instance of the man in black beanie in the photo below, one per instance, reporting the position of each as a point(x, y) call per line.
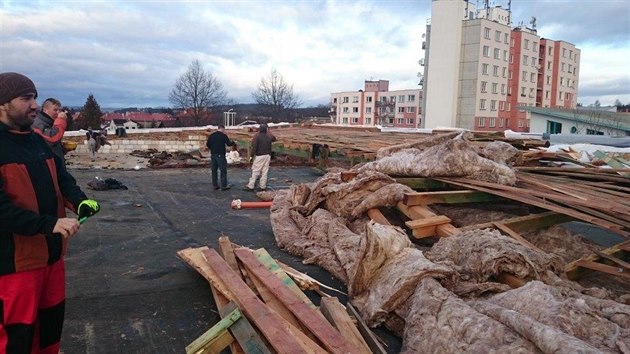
point(34, 229)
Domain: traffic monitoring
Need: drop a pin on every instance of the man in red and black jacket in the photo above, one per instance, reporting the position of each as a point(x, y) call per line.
point(35, 188)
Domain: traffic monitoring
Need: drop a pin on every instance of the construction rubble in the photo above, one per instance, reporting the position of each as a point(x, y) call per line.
point(489, 282)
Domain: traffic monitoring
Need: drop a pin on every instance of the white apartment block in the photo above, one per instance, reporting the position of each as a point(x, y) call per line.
point(376, 105)
point(478, 69)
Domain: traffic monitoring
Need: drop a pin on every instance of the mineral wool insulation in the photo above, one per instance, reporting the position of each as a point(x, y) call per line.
point(445, 300)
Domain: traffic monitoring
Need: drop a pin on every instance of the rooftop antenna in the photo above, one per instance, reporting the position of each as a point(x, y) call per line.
point(533, 23)
point(509, 12)
point(487, 5)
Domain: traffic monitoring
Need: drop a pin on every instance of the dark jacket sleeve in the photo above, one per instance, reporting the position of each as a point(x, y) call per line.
point(68, 185)
point(23, 221)
point(55, 133)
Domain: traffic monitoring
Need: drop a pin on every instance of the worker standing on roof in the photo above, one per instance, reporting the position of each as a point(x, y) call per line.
point(34, 229)
point(261, 152)
point(217, 142)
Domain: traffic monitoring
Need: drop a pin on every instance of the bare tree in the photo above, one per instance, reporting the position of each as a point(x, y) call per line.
point(275, 93)
point(197, 91)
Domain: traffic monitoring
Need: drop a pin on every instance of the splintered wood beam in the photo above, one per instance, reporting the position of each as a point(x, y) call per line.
point(377, 216)
point(516, 236)
point(194, 257)
point(429, 221)
point(331, 339)
point(604, 268)
point(447, 197)
point(267, 321)
point(620, 251)
point(372, 340)
point(421, 212)
point(216, 338)
point(336, 314)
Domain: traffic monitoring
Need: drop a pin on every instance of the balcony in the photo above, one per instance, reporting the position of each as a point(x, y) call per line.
point(385, 104)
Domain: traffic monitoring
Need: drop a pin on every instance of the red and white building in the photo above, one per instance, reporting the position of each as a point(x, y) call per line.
point(479, 69)
point(376, 105)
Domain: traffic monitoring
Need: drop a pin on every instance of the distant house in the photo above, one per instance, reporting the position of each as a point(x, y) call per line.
point(581, 120)
point(135, 120)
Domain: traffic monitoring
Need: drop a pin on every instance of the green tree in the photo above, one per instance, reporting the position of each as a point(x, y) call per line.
point(277, 95)
point(197, 91)
point(90, 116)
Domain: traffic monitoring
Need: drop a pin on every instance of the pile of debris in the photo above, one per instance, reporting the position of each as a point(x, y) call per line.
point(474, 290)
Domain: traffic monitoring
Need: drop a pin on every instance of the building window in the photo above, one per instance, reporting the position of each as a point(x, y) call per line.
point(534, 62)
point(497, 36)
point(495, 87)
point(344, 120)
point(550, 51)
point(335, 100)
point(593, 132)
point(532, 77)
point(524, 76)
point(383, 99)
point(504, 70)
point(486, 51)
point(525, 59)
point(355, 120)
point(346, 110)
point(346, 99)
point(509, 91)
point(392, 99)
point(505, 38)
point(560, 95)
point(355, 109)
point(501, 122)
point(522, 91)
point(548, 79)
point(401, 98)
point(511, 59)
point(531, 93)
point(564, 52)
point(548, 65)
point(491, 122)
point(497, 53)
point(520, 123)
point(486, 33)
point(512, 43)
point(547, 94)
point(495, 70)
point(368, 99)
point(368, 121)
point(368, 109)
point(503, 89)
point(554, 127)
point(482, 104)
point(482, 121)
point(505, 55)
point(355, 99)
point(501, 107)
point(484, 84)
point(527, 44)
point(411, 109)
point(411, 98)
point(410, 121)
point(493, 105)
point(561, 81)
point(535, 47)
point(570, 54)
point(509, 107)
point(400, 120)
point(510, 76)
point(484, 69)
point(401, 109)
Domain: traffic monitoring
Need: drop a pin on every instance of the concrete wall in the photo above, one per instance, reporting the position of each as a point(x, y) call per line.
point(125, 146)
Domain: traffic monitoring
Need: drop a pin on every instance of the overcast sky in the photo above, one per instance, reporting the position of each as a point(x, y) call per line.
point(129, 53)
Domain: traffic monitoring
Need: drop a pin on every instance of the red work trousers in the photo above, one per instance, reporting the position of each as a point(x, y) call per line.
point(32, 307)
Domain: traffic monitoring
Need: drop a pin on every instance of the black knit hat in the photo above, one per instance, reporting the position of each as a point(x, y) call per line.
point(14, 85)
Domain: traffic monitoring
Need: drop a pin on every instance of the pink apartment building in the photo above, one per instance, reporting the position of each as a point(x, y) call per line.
point(376, 105)
point(479, 69)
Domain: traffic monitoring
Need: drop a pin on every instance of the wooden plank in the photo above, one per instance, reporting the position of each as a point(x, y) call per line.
point(427, 231)
point(604, 268)
point(516, 236)
point(336, 314)
point(511, 280)
point(377, 216)
point(248, 339)
point(370, 338)
point(194, 258)
point(419, 212)
point(215, 336)
point(265, 259)
point(430, 221)
point(447, 197)
point(268, 322)
point(329, 337)
point(620, 250)
point(226, 251)
point(425, 184)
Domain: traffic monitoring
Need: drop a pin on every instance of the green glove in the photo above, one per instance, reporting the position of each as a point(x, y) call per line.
point(86, 209)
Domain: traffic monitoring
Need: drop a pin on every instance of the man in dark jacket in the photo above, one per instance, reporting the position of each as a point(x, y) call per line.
point(217, 142)
point(34, 229)
point(51, 124)
point(261, 151)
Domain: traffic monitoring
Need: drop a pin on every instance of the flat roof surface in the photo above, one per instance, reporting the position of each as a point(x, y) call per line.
point(128, 292)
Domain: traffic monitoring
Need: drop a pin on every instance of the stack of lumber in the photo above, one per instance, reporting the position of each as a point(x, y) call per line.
point(264, 311)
